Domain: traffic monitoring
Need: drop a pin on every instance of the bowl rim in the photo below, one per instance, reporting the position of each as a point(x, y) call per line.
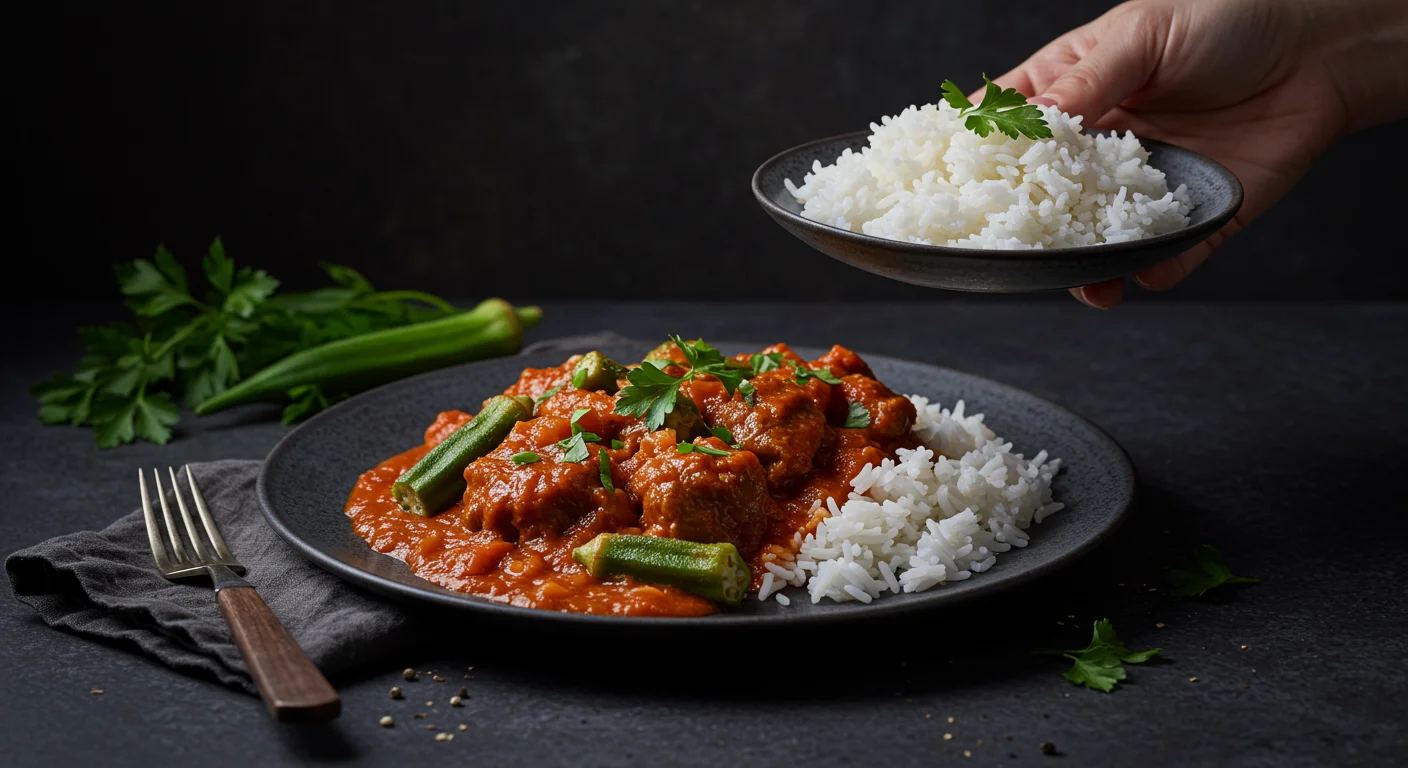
point(1197, 232)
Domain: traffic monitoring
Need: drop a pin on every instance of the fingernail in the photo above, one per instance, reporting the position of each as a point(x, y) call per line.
point(1101, 295)
point(1045, 101)
point(1160, 277)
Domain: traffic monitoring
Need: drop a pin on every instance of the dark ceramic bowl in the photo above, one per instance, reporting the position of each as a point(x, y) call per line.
point(305, 482)
point(1215, 192)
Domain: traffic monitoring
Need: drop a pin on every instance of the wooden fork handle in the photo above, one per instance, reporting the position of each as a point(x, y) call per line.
point(292, 687)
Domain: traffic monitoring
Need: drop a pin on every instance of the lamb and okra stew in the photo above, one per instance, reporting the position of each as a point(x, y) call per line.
point(661, 487)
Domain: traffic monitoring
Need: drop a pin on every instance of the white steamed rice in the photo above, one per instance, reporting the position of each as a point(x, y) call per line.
point(924, 519)
point(924, 178)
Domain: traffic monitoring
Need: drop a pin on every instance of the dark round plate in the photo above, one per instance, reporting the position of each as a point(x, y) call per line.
point(1215, 192)
point(308, 476)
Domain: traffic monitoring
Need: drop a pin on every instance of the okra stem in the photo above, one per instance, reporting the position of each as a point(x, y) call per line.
point(438, 478)
point(715, 571)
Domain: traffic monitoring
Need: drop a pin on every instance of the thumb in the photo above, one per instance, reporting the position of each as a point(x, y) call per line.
point(1118, 66)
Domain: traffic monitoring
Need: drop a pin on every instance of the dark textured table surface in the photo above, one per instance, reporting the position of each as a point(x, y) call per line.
point(1274, 432)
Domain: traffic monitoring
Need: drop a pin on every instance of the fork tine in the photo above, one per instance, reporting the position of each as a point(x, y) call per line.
point(201, 555)
point(221, 551)
point(153, 533)
point(171, 531)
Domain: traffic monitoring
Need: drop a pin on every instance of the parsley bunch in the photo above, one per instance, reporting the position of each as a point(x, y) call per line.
point(192, 345)
point(1006, 110)
point(1098, 665)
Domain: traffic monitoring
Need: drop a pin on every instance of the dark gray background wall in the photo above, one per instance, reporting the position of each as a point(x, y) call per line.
point(550, 149)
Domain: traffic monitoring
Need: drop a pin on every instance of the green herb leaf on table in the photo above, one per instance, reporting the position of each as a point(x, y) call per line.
point(1006, 110)
point(1099, 665)
point(857, 417)
point(605, 471)
point(155, 287)
point(1203, 571)
point(304, 400)
point(150, 416)
point(525, 457)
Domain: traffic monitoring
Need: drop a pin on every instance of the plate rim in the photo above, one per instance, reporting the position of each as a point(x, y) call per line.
point(979, 256)
point(458, 601)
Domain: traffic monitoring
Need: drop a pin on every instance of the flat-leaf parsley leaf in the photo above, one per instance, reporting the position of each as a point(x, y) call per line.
point(605, 471)
point(804, 373)
point(653, 392)
point(1006, 110)
point(1204, 570)
point(704, 449)
point(1098, 665)
point(857, 417)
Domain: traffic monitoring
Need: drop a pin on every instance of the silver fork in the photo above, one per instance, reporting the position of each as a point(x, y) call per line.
point(292, 687)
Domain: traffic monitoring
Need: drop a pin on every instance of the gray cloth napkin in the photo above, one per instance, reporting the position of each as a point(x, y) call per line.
point(104, 584)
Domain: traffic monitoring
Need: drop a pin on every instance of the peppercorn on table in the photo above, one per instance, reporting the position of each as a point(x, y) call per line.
point(1226, 410)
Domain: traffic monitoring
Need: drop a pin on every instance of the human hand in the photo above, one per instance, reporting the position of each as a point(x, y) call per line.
point(1261, 86)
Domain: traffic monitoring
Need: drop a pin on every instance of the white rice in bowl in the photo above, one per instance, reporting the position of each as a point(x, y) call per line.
point(938, 513)
point(925, 178)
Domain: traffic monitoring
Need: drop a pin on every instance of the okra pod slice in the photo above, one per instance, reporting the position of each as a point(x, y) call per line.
point(438, 478)
point(596, 371)
point(685, 419)
point(715, 571)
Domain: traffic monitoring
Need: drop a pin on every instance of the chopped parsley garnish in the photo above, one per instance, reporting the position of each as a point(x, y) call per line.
point(617, 445)
point(704, 449)
point(575, 447)
point(804, 373)
point(1098, 665)
point(652, 392)
point(749, 393)
point(857, 417)
point(762, 362)
point(526, 457)
point(723, 434)
point(605, 471)
point(1203, 571)
point(1006, 110)
point(541, 398)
